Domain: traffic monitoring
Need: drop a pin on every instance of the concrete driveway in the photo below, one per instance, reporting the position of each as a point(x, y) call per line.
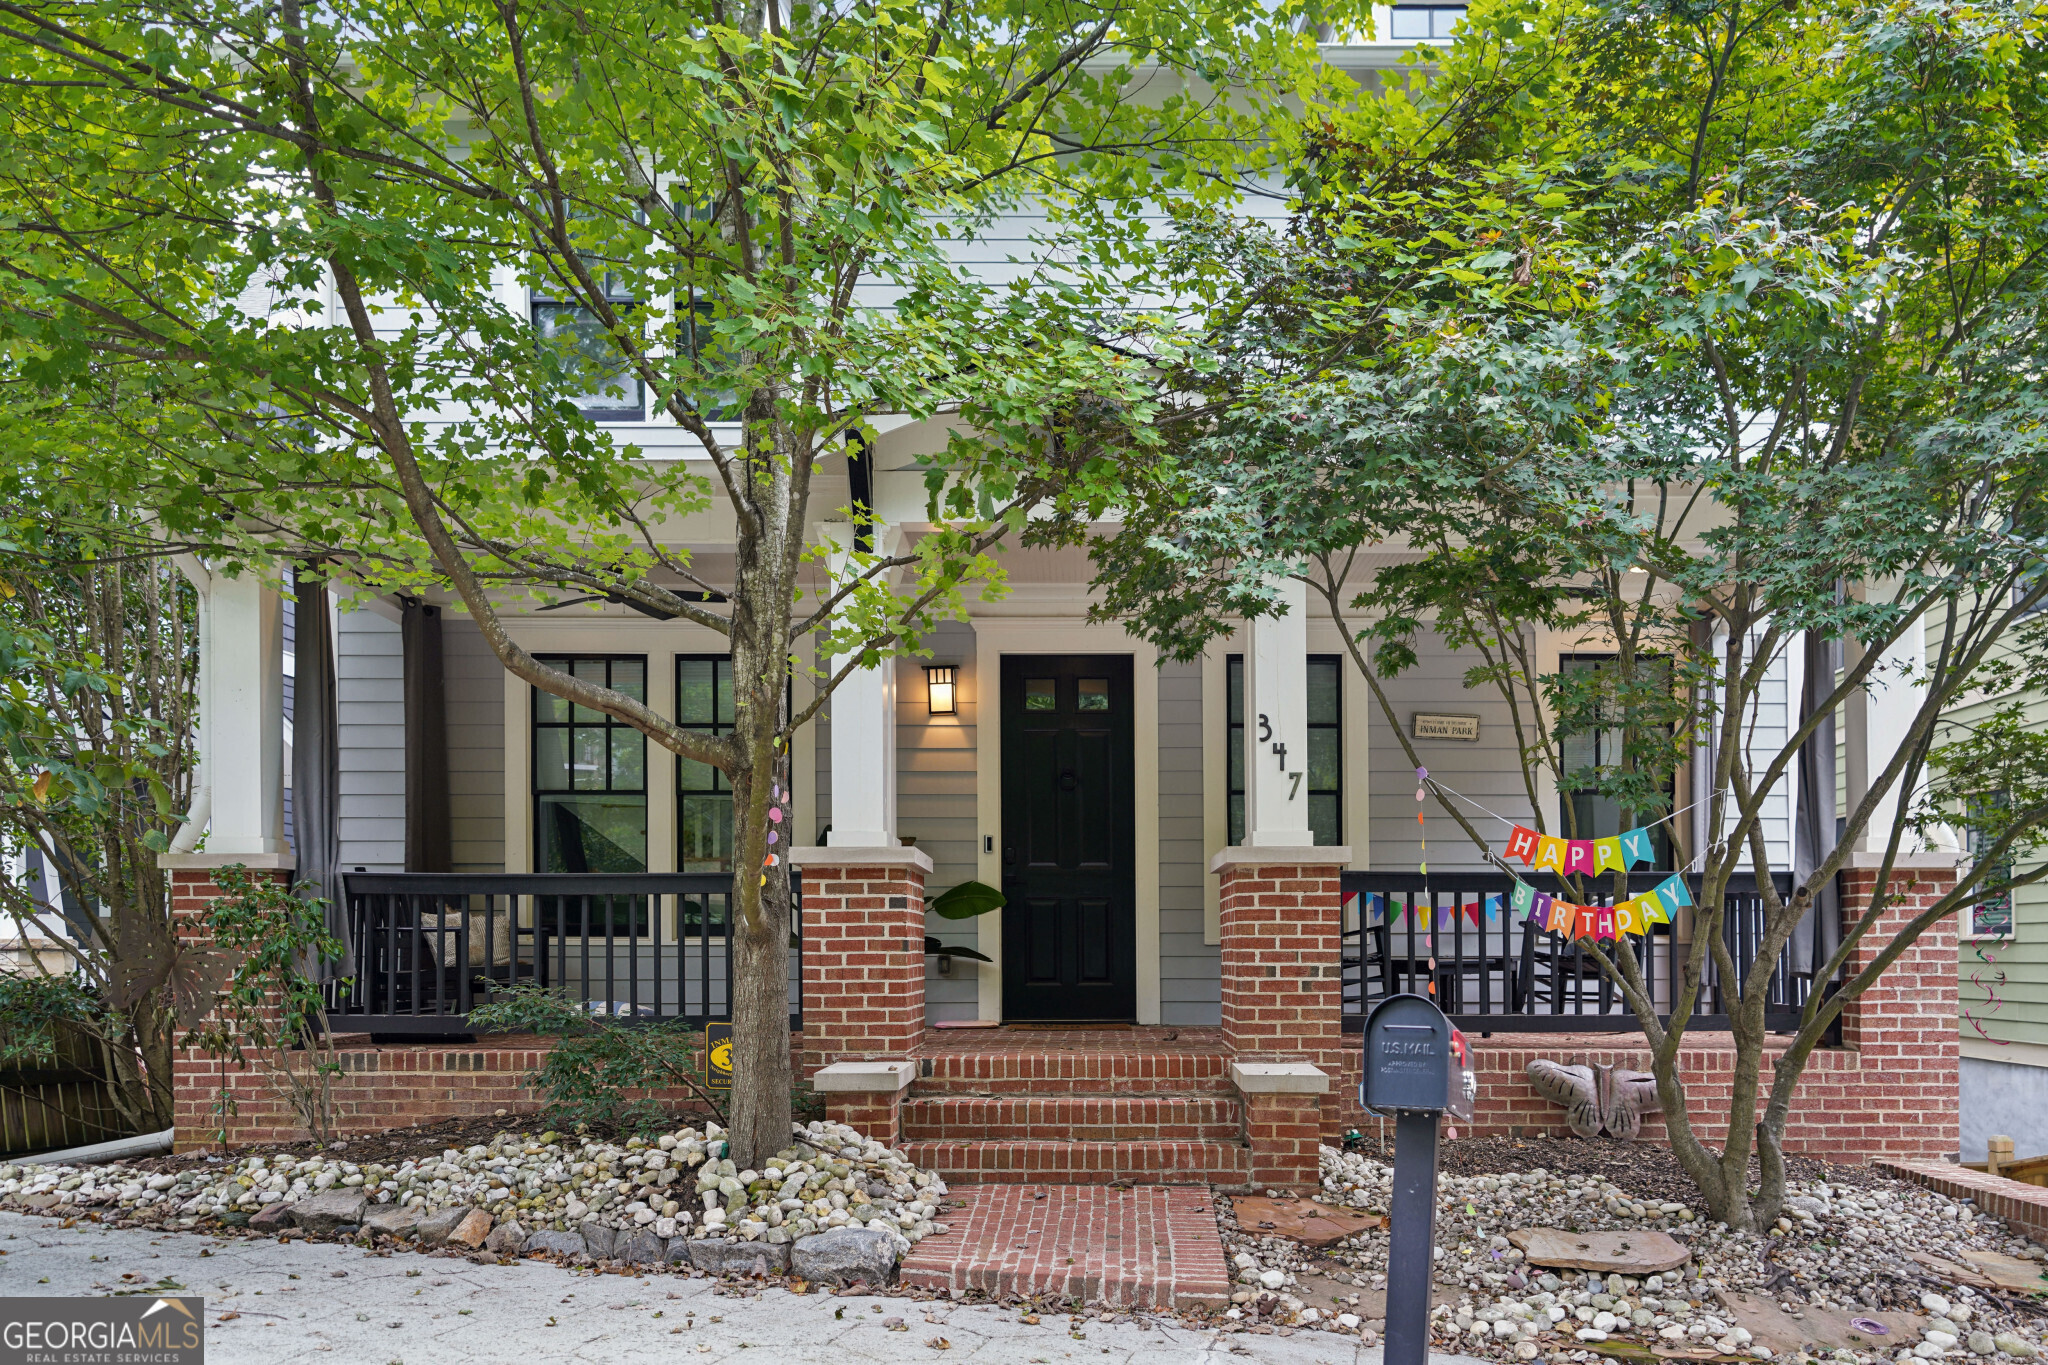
point(271, 1303)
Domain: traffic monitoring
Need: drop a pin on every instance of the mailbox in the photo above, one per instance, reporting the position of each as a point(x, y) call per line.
point(1415, 1062)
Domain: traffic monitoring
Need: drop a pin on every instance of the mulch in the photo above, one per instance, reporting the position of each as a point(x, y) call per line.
point(1642, 1170)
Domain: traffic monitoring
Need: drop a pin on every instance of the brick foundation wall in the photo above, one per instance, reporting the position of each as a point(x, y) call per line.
point(382, 1086)
point(863, 939)
point(1889, 1092)
point(387, 1085)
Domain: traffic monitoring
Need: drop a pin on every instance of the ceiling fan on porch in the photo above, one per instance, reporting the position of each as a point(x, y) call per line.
point(617, 600)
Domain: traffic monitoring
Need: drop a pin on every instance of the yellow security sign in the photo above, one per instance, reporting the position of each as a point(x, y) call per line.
point(718, 1056)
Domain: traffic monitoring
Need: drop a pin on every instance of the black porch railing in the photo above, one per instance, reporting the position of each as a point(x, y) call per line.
point(427, 947)
point(1452, 935)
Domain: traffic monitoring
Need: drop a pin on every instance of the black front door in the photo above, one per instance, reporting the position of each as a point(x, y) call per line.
point(1069, 928)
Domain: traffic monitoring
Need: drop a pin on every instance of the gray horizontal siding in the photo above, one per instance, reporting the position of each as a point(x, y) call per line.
point(1190, 971)
point(369, 669)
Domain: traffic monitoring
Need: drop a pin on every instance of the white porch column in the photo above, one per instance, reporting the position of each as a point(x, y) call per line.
point(863, 712)
point(1879, 716)
point(864, 759)
point(242, 710)
point(1276, 725)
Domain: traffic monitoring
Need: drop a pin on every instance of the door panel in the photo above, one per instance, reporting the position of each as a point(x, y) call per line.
point(1069, 930)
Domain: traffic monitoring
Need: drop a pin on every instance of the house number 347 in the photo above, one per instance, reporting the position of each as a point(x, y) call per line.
point(1279, 751)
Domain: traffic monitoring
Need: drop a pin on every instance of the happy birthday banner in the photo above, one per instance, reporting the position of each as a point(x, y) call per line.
point(1571, 857)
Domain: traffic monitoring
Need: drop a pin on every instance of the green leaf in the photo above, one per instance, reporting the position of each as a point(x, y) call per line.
point(934, 948)
point(967, 900)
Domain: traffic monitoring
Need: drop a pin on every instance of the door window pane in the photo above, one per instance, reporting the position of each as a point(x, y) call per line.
point(1093, 694)
point(1039, 695)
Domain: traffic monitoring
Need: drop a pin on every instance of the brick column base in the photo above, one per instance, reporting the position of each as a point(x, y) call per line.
point(1282, 949)
point(1282, 941)
point(867, 1096)
point(1283, 1121)
point(1905, 1024)
point(196, 1078)
point(863, 951)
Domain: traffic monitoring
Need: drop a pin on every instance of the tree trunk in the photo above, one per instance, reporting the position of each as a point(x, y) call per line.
point(763, 598)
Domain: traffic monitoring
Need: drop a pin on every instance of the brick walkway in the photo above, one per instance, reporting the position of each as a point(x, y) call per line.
point(1154, 1246)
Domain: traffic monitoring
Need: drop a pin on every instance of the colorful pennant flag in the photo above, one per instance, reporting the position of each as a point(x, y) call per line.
point(1673, 890)
point(1562, 915)
point(1653, 909)
point(1607, 855)
point(1549, 854)
point(1522, 845)
point(1578, 856)
point(1628, 918)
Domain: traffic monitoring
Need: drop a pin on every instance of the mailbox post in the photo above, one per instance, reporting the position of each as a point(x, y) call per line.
point(1417, 1068)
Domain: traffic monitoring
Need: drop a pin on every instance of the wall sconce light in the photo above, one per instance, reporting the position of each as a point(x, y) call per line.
point(940, 698)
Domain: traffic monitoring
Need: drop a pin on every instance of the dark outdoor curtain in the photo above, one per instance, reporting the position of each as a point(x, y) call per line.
point(1813, 818)
point(316, 763)
point(426, 741)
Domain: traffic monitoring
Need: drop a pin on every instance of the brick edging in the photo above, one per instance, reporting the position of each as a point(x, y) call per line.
point(2022, 1205)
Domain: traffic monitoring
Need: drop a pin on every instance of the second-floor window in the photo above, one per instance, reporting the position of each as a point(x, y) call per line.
point(1410, 23)
point(604, 388)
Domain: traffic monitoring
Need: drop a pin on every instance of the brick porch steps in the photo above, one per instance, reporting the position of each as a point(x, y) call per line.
point(1079, 1061)
point(1082, 1117)
point(1025, 1161)
point(1151, 1247)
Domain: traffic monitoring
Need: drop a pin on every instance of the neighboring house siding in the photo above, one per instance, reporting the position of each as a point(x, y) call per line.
point(475, 701)
point(2014, 1010)
point(370, 719)
point(1190, 971)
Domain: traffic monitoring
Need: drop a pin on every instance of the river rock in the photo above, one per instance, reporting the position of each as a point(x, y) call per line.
point(716, 1256)
point(328, 1211)
point(845, 1255)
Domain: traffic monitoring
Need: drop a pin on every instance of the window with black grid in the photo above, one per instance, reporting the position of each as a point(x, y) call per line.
point(703, 793)
point(589, 773)
point(1323, 781)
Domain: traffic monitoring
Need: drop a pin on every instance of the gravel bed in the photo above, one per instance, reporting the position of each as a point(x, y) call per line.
point(1842, 1244)
point(680, 1185)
